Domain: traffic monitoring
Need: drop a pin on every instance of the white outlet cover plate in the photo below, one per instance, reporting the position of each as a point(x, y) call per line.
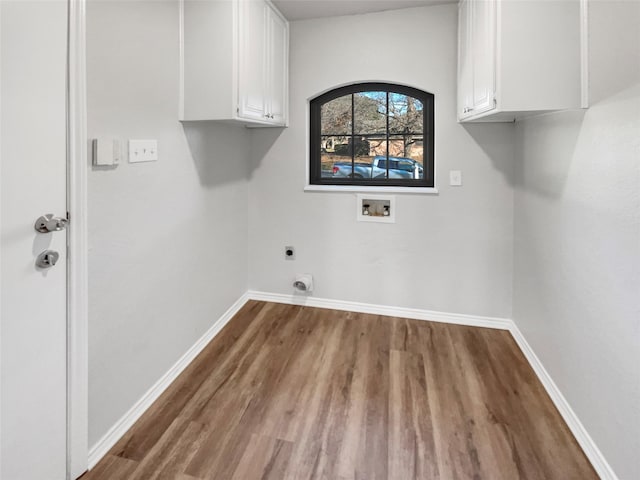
point(455, 178)
point(143, 151)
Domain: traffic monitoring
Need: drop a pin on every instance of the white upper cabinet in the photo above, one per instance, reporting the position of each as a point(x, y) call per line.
point(252, 60)
point(277, 68)
point(477, 62)
point(465, 70)
point(234, 62)
point(517, 58)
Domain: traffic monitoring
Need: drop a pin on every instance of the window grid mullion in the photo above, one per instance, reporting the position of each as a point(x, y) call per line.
point(353, 136)
point(387, 132)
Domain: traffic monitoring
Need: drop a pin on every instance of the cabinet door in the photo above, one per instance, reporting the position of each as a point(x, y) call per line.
point(252, 71)
point(483, 41)
point(465, 65)
point(277, 66)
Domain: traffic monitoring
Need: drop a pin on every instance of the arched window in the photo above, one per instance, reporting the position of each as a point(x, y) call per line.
point(376, 134)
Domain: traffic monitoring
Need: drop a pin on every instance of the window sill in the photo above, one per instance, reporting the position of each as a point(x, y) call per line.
point(372, 189)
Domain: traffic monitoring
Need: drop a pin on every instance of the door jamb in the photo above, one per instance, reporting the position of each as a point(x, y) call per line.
point(77, 246)
point(0, 248)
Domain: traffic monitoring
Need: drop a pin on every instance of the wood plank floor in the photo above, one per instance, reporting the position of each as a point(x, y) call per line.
point(290, 392)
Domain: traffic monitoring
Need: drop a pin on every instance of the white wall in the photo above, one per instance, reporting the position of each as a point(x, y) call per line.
point(168, 240)
point(577, 240)
point(451, 252)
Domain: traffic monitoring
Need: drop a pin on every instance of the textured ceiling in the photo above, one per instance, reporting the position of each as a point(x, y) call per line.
point(302, 9)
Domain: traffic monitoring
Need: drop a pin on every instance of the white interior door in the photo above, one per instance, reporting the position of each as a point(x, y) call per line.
point(33, 325)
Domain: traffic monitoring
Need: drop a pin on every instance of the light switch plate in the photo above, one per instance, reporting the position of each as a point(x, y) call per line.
point(143, 151)
point(455, 178)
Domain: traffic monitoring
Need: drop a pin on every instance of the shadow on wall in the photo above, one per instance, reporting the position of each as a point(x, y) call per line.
point(544, 155)
point(220, 152)
point(262, 139)
point(509, 158)
point(501, 153)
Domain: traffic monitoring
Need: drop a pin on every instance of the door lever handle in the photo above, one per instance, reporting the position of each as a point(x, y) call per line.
point(48, 223)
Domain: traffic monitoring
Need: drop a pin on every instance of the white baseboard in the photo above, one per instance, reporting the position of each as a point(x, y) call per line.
point(116, 432)
point(402, 312)
point(583, 438)
point(591, 450)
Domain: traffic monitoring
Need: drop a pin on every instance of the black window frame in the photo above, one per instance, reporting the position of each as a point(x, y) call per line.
point(315, 136)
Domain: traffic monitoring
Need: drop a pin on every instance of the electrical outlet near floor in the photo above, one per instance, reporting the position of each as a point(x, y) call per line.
point(289, 253)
